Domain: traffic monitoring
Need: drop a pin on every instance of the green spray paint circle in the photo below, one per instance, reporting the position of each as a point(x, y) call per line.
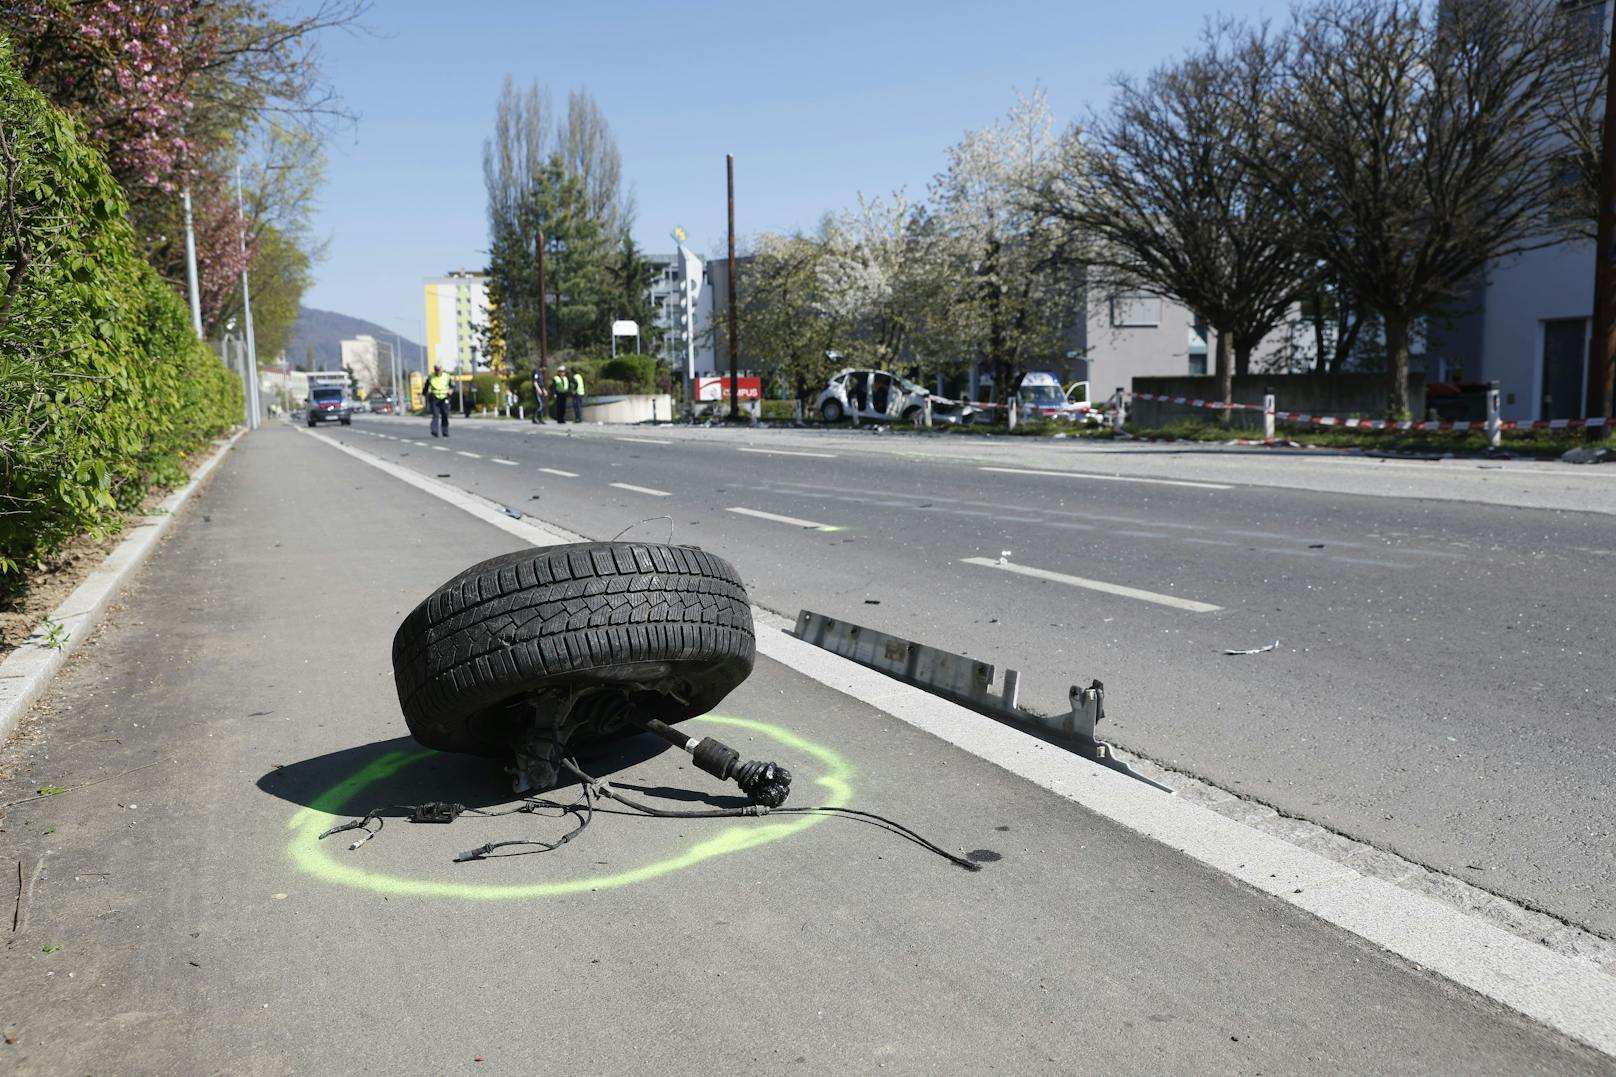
point(320, 859)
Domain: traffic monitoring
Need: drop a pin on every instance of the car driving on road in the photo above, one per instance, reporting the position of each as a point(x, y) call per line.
point(328, 403)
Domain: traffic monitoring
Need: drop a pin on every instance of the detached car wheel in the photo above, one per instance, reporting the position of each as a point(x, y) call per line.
point(831, 410)
point(533, 654)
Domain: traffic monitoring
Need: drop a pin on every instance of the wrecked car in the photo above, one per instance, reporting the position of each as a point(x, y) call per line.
point(881, 396)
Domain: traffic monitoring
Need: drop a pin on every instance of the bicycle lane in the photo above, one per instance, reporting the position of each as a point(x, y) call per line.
point(193, 922)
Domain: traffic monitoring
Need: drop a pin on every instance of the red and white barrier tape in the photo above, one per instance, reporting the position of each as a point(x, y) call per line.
point(1377, 424)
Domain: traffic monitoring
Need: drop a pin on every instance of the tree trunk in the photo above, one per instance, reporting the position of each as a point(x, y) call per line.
point(1396, 326)
point(1242, 358)
point(1320, 361)
point(1225, 348)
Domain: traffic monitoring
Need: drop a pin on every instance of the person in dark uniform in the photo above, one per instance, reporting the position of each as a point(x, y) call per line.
point(538, 395)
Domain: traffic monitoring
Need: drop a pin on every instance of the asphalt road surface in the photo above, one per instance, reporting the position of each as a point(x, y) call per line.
point(183, 918)
point(1442, 687)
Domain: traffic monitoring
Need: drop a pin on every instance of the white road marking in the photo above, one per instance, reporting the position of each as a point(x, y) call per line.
point(1208, 542)
point(473, 455)
point(641, 489)
point(644, 441)
point(558, 471)
point(1174, 601)
point(502, 460)
point(1140, 534)
point(777, 518)
point(1108, 478)
point(422, 444)
point(440, 448)
point(1370, 561)
point(788, 452)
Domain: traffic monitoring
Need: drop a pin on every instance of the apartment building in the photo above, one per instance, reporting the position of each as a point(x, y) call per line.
point(457, 320)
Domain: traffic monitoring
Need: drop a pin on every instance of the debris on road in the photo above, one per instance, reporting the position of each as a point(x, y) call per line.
point(1588, 456)
point(968, 683)
point(1274, 646)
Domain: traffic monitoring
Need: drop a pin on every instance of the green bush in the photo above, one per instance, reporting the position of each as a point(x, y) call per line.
point(637, 372)
point(103, 385)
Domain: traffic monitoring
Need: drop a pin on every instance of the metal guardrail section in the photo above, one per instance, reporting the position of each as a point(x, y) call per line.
point(967, 682)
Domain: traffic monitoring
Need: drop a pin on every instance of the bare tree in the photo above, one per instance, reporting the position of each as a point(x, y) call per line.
point(1419, 148)
point(515, 155)
point(590, 154)
point(1577, 111)
point(1165, 183)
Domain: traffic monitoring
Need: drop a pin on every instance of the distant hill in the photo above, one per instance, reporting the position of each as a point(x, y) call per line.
point(320, 333)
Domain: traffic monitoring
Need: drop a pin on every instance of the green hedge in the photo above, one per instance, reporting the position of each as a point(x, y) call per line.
point(103, 385)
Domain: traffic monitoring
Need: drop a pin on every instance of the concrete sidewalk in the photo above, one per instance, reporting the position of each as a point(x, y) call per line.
point(183, 918)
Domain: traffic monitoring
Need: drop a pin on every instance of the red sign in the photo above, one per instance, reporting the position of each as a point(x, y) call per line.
point(719, 388)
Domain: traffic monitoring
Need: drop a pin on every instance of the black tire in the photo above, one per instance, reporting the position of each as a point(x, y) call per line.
point(311, 423)
point(831, 411)
point(347, 422)
point(669, 624)
point(910, 413)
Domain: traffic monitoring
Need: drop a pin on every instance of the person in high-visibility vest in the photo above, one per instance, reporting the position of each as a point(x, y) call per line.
point(437, 399)
point(560, 386)
point(578, 396)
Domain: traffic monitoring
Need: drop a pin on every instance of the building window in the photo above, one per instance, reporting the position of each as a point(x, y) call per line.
point(1136, 311)
point(1586, 22)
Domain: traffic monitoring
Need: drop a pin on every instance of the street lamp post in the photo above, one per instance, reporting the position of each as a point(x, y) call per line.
point(193, 290)
point(246, 310)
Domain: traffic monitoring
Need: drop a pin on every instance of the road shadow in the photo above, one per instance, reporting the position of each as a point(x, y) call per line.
point(389, 774)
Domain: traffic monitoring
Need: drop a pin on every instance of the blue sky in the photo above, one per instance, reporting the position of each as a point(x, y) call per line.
point(818, 101)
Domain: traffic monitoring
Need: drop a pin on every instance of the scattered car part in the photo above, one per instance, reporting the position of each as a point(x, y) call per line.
point(534, 655)
point(967, 682)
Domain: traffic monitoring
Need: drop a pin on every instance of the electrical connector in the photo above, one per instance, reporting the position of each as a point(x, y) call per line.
point(436, 811)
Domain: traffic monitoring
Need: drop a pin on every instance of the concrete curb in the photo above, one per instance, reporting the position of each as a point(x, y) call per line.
point(27, 671)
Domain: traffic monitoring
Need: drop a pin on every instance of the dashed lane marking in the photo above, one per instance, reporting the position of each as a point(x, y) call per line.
point(1369, 561)
point(641, 489)
point(1187, 604)
point(788, 452)
point(777, 518)
point(473, 455)
point(558, 471)
point(502, 460)
point(1109, 478)
point(644, 441)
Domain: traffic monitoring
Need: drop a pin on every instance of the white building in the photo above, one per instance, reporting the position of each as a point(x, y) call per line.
point(457, 321)
point(667, 300)
point(365, 357)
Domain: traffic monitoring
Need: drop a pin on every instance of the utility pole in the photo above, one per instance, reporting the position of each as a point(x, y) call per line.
point(246, 310)
point(190, 265)
point(1602, 357)
point(544, 343)
point(734, 377)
